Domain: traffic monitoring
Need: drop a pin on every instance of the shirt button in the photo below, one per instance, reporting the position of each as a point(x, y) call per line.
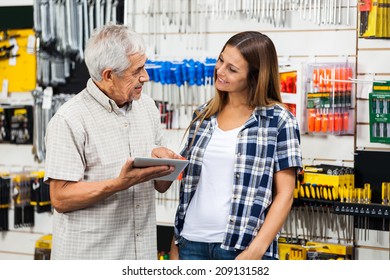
point(109, 109)
point(239, 154)
point(237, 175)
point(137, 206)
point(126, 124)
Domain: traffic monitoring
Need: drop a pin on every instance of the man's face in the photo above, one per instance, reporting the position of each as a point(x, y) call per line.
point(128, 87)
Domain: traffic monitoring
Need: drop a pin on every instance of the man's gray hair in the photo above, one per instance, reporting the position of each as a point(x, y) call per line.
point(110, 47)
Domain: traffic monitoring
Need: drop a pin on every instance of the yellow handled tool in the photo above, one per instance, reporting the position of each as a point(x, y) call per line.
point(301, 190)
point(335, 192)
point(307, 190)
point(318, 194)
point(313, 191)
point(325, 192)
point(384, 193)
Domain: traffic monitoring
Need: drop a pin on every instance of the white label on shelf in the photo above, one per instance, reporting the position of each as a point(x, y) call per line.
point(4, 89)
point(31, 44)
point(14, 51)
point(47, 97)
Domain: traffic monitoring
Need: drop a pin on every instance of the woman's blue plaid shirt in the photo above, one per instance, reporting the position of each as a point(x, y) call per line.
point(268, 142)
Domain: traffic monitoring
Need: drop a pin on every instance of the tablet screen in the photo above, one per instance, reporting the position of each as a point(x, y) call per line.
point(179, 164)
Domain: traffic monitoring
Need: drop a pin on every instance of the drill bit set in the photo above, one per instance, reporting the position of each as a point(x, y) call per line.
point(24, 193)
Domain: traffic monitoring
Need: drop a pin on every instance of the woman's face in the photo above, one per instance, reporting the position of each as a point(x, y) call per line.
point(232, 71)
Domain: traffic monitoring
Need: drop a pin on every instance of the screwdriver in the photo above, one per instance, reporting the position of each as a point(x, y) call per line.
point(335, 195)
point(312, 119)
point(330, 197)
point(318, 195)
point(384, 200)
point(384, 193)
point(317, 125)
point(302, 190)
point(325, 192)
point(345, 121)
point(324, 121)
point(367, 193)
point(337, 122)
point(388, 193)
point(312, 191)
point(307, 190)
point(316, 79)
point(330, 121)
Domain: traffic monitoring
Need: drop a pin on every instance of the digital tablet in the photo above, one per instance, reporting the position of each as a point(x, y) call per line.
point(179, 164)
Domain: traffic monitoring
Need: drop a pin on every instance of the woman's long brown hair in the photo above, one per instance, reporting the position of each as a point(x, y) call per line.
point(263, 76)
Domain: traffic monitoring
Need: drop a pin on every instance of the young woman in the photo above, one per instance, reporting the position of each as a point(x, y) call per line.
point(244, 152)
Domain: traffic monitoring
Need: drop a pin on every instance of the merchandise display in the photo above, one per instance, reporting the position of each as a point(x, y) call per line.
point(379, 102)
point(5, 200)
point(374, 19)
point(329, 95)
point(43, 248)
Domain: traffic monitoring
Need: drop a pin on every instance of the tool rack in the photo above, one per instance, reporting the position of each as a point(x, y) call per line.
point(373, 210)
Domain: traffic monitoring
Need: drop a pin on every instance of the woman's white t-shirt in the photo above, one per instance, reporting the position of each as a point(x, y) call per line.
point(208, 212)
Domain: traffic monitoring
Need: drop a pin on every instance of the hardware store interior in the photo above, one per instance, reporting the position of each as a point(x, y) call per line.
point(341, 205)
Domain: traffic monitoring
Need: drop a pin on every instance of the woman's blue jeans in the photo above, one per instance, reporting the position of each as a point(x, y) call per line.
point(193, 250)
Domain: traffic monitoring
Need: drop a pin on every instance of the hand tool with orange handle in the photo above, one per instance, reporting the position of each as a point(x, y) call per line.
point(330, 121)
point(322, 82)
point(324, 121)
point(337, 78)
point(311, 120)
point(316, 79)
point(328, 80)
point(317, 124)
point(345, 121)
point(337, 122)
point(343, 78)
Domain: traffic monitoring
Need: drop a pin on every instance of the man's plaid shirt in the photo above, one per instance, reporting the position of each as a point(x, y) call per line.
point(268, 142)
